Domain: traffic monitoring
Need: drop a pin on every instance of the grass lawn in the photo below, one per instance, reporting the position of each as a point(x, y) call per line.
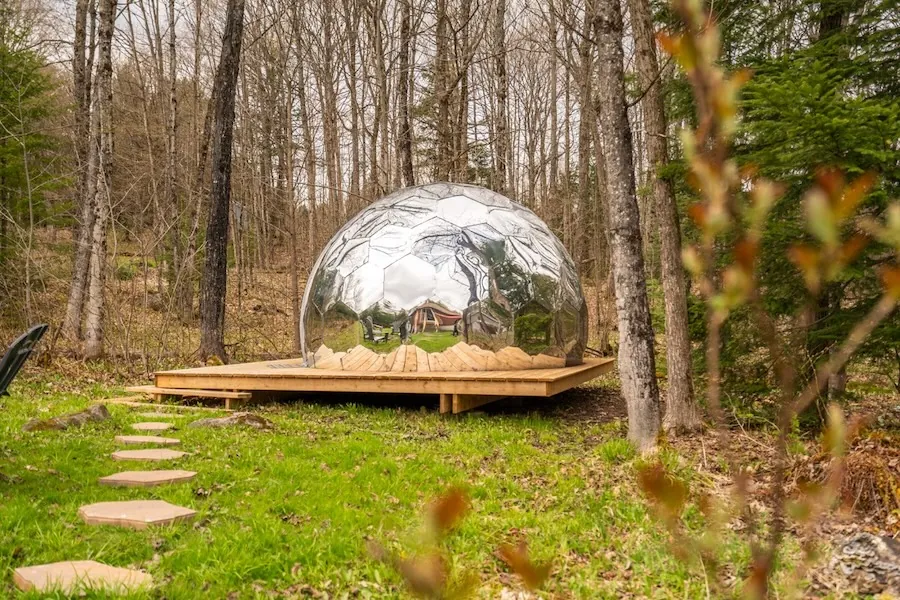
point(352, 335)
point(295, 506)
point(435, 341)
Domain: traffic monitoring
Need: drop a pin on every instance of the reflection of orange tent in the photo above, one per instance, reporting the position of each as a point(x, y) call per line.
point(433, 316)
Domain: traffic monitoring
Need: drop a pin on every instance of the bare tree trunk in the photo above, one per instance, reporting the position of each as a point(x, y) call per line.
point(351, 10)
point(195, 194)
point(565, 196)
point(637, 365)
point(178, 255)
point(310, 148)
point(215, 274)
point(681, 411)
point(554, 98)
point(86, 153)
point(585, 127)
point(291, 206)
point(604, 302)
point(93, 325)
point(328, 93)
point(442, 93)
point(461, 147)
point(378, 160)
point(81, 90)
point(404, 142)
point(501, 181)
point(383, 102)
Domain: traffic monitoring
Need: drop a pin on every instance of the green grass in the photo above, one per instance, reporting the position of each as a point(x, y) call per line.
point(354, 334)
point(436, 341)
point(296, 505)
point(429, 342)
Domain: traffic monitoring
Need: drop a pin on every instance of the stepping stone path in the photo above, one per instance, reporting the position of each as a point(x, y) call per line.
point(146, 439)
point(152, 426)
point(146, 478)
point(155, 415)
point(149, 454)
point(76, 577)
point(135, 514)
point(72, 577)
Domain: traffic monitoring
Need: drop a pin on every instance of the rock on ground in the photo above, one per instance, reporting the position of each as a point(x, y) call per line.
point(95, 413)
point(238, 418)
point(869, 563)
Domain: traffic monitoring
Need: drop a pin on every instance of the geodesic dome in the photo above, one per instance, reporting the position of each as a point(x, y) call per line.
point(437, 264)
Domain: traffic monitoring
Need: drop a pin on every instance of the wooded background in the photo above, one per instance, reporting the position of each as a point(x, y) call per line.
point(108, 130)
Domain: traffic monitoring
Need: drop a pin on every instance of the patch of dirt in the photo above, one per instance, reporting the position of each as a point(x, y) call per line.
point(584, 405)
point(870, 486)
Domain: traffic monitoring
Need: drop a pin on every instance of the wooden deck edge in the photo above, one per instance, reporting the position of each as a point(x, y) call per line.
point(365, 385)
point(198, 392)
point(561, 385)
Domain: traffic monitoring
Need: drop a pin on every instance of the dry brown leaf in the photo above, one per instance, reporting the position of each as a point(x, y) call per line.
point(426, 576)
point(449, 509)
point(517, 558)
point(666, 492)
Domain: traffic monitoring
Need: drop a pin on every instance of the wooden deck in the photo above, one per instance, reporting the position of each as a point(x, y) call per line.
point(458, 391)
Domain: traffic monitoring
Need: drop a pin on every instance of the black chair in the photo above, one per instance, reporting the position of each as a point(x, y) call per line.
point(17, 354)
point(369, 333)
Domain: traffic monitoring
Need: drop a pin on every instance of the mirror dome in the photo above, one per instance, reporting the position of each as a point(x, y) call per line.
point(439, 264)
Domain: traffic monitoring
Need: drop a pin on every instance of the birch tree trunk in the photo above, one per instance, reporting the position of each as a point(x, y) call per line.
point(291, 207)
point(215, 274)
point(81, 80)
point(310, 148)
point(93, 324)
point(178, 254)
point(637, 366)
point(681, 411)
point(86, 160)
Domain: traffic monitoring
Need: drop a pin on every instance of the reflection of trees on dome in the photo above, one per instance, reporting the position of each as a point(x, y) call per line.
point(442, 258)
point(382, 315)
point(533, 328)
point(323, 287)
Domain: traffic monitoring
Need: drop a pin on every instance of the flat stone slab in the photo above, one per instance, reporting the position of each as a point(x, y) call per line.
point(146, 439)
point(73, 577)
point(135, 514)
point(152, 426)
point(155, 415)
point(148, 454)
point(146, 478)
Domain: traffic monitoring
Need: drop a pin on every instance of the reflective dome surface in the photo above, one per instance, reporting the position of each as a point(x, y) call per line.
point(442, 263)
